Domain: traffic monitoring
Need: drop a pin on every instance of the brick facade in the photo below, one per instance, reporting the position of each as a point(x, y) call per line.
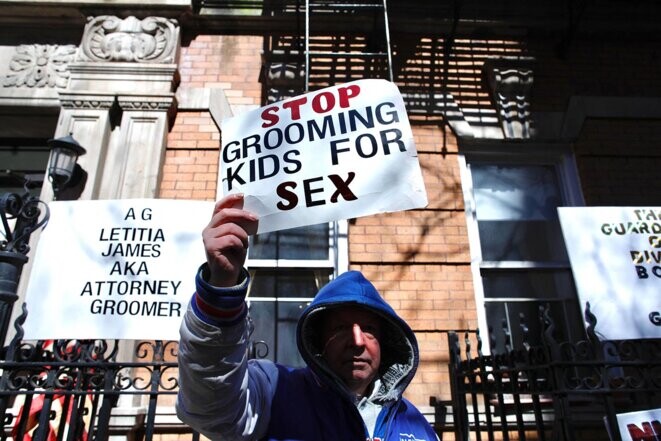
point(420, 260)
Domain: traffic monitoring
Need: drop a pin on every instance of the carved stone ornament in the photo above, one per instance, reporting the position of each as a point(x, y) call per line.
point(510, 82)
point(151, 40)
point(40, 65)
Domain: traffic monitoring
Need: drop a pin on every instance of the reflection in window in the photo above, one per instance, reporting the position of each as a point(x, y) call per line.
point(23, 161)
point(277, 298)
point(304, 243)
point(516, 212)
point(524, 264)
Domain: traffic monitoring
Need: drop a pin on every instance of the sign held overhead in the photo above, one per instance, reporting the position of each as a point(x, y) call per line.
point(336, 153)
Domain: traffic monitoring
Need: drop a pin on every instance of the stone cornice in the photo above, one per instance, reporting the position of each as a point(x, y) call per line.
point(158, 103)
point(86, 100)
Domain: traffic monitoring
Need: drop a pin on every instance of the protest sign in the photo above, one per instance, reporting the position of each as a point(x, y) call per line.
point(336, 153)
point(641, 425)
point(615, 255)
point(115, 269)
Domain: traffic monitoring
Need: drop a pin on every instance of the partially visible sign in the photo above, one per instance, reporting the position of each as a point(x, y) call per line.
point(644, 425)
point(615, 254)
point(115, 269)
point(336, 153)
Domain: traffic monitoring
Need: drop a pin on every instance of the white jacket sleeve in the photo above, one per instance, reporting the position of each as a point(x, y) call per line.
point(222, 395)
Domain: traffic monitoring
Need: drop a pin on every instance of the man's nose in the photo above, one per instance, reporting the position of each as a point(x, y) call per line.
point(358, 336)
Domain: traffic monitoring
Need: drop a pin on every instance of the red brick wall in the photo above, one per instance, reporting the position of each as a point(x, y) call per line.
point(419, 259)
point(230, 63)
point(618, 161)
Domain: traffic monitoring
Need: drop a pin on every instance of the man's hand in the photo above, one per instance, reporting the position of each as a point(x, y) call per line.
point(226, 240)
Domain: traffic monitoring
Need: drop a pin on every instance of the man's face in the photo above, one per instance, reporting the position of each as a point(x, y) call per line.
point(351, 336)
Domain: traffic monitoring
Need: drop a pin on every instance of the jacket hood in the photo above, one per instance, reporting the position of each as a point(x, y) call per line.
point(399, 347)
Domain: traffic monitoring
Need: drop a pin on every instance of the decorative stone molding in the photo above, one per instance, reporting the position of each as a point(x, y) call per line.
point(40, 65)
point(150, 103)
point(155, 104)
point(510, 81)
point(72, 100)
point(151, 40)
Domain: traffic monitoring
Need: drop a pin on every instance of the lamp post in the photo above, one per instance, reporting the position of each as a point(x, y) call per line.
point(27, 213)
point(62, 166)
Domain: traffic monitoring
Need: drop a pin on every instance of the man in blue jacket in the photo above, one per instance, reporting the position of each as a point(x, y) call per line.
point(360, 356)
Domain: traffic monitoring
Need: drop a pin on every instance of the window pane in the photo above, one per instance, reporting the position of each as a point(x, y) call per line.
point(288, 283)
point(516, 212)
point(304, 243)
point(275, 326)
point(506, 316)
point(530, 283)
point(22, 160)
point(522, 240)
point(521, 192)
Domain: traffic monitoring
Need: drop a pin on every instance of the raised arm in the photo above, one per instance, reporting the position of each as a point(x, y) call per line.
point(221, 395)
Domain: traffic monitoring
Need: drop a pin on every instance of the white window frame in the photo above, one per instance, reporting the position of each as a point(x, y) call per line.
point(558, 155)
point(337, 263)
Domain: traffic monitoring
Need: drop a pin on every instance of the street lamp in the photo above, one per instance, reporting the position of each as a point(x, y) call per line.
point(62, 171)
point(27, 213)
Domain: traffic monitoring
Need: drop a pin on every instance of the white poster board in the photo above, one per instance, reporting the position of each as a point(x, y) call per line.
point(115, 269)
point(615, 255)
point(640, 426)
point(336, 153)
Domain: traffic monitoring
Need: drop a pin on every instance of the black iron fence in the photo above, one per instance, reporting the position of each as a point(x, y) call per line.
point(552, 391)
point(82, 390)
point(79, 390)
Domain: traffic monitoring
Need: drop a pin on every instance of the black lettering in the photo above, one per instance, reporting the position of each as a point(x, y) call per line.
point(367, 122)
point(294, 162)
point(335, 150)
point(235, 153)
point(87, 289)
point(309, 191)
point(263, 174)
point(288, 133)
point(371, 144)
point(397, 139)
point(327, 125)
point(342, 187)
point(285, 193)
point(268, 143)
point(392, 115)
point(175, 286)
point(233, 175)
point(249, 142)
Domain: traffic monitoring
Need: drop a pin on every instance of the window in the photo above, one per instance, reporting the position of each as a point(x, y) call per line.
point(288, 268)
point(23, 161)
point(519, 258)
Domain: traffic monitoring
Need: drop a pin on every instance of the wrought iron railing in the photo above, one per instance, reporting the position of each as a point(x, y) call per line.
point(81, 390)
point(555, 390)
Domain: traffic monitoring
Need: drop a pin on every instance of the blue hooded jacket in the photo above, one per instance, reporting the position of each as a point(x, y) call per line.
point(227, 397)
point(312, 403)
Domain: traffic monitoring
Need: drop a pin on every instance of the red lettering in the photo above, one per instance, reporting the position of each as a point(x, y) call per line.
point(269, 115)
point(347, 92)
point(647, 433)
point(329, 98)
point(295, 106)
point(321, 103)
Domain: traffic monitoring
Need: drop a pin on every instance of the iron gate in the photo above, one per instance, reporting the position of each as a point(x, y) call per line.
point(556, 390)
